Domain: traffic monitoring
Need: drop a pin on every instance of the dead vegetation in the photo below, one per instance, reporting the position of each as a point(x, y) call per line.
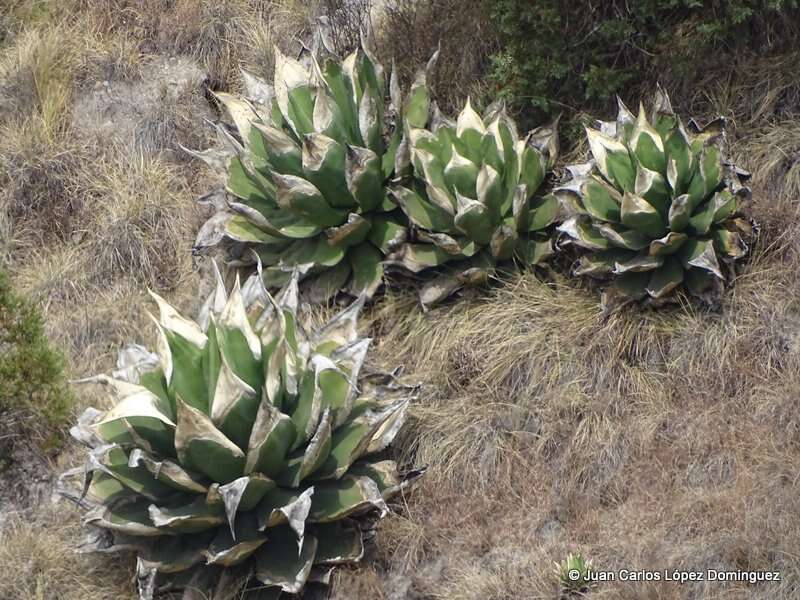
point(646, 441)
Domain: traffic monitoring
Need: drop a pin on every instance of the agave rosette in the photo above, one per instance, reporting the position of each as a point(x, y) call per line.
point(657, 208)
point(244, 441)
point(305, 172)
point(477, 201)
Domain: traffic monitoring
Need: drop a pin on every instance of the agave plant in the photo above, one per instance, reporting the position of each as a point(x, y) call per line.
point(477, 201)
point(244, 441)
point(656, 209)
point(573, 573)
point(305, 171)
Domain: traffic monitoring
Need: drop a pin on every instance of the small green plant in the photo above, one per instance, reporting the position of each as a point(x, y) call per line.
point(247, 441)
point(31, 372)
point(656, 210)
point(476, 201)
point(573, 573)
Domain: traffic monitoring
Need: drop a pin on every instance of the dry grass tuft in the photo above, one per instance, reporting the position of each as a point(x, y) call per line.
point(39, 552)
point(138, 219)
point(409, 32)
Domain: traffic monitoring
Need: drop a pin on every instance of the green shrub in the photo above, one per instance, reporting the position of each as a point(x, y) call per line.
point(31, 372)
point(573, 55)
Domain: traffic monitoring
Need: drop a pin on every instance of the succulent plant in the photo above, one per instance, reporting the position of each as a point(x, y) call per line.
point(245, 440)
point(477, 201)
point(573, 573)
point(656, 208)
point(305, 171)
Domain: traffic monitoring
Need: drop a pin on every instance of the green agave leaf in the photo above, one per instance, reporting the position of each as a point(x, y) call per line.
point(700, 221)
point(176, 554)
point(131, 518)
point(633, 284)
point(669, 244)
point(680, 212)
point(248, 185)
point(293, 93)
point(532, 166)
point(470, 129)
point(666, 278)
point(142, 408)
point(278, 562)
point(700, 254)
point(324, 166)
point(491, 192)
point(370, 120)
point(351, 233)
point(105, 489)
point(241, 229)
point(472, 218)
point(708, 177)
point(243, 494)
point(364, 178)
point(533, 251)
point(324, 286)
point(340, 88)
point(202, 447)
point(328, 118)
point(612, 159)
point(228, 549)
point(194, 517)
point(422, 213)
point(504, 241)
point(544, 212)
point(307, 460)
point(281, 506)
point(601, 200)
point(234, 407)
point(338, 544)
point(272, 435)
point(584, 234)
point(418, 103)
point(352, 440)
point(639, 263)
point(639, 214)
point(168, 472)
point(304, 199)
point(729, 243)
point(337, 499)
point(384, 474)
point(365, 261)
point(622, 237)
point(599, 264)
point(283, 153)
point(725, 206)
point(651, 186)
point(461, 175)
point(680, 160)
point(646, 144)
point(387, 233)
point(112, 460)
point(316, 251)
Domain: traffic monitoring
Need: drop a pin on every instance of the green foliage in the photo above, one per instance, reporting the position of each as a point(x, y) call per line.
point(477, 200)
point(247, 441)
point(307, 172)
point(31, 372)
point(657, 208)
point(579, 54)
point(573, 573)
